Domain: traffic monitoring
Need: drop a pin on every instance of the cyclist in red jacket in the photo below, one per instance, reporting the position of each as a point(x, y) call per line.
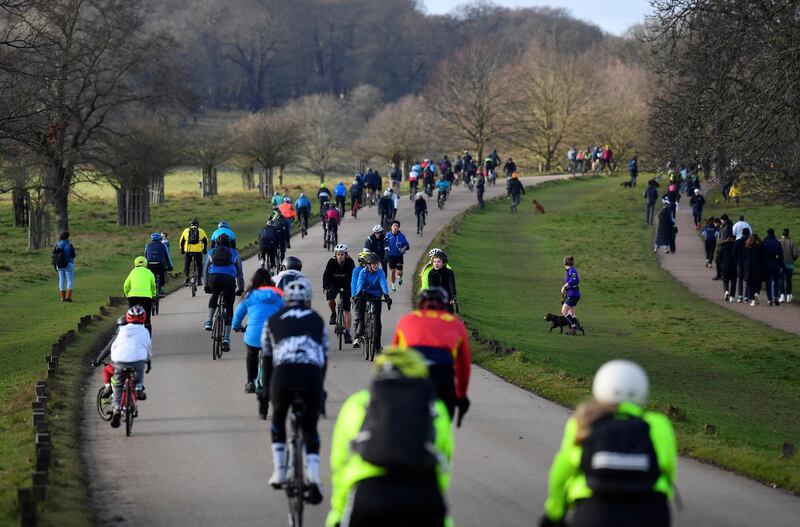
point(442, 339)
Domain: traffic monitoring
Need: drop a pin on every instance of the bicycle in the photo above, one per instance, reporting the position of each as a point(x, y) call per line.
point(154, 307)
point(413, 186)
point(492, 177)
point(303, 225)
point(420, 222)
point(371, 338)
point(354, 206)
point(339, 328)
point(128, 399)
point(386, 219)
point(331, 238)
point(105, 403)
point(218, 329)
point(295, 486)
point(441, 198)
point(340, 206)
point(193, 277)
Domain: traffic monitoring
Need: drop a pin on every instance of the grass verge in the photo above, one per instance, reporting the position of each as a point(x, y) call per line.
point(708, 366)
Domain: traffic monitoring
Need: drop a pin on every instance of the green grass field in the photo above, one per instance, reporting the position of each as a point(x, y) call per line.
point(29, 288)
point(708, 366)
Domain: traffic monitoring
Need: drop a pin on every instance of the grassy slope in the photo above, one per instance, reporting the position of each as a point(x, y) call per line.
point(710, 365)
point(28, 289)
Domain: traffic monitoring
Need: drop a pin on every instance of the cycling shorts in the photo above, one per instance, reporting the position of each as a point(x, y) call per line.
point(396, 262)
point(332, 294)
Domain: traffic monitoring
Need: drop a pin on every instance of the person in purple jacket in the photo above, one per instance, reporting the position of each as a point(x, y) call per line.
point(571, 293)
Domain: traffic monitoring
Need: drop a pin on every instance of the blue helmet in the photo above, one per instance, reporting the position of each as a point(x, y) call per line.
point(223, 225)
point(156, 236)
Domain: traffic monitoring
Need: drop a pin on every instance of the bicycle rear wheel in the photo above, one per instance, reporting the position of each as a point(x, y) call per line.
point(340, 322)
point(216, 336)
point(129, 409)
point(294, 485)
point(104, 407)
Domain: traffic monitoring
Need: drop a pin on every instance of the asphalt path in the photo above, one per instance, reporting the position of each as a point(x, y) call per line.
point(199, 454)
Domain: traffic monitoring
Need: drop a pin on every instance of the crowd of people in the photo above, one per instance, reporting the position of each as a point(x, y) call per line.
point(592, 160)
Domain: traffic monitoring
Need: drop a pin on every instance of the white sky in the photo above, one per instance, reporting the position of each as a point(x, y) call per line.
point(612, 16)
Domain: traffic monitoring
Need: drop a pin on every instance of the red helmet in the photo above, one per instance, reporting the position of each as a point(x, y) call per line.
point(136, 315)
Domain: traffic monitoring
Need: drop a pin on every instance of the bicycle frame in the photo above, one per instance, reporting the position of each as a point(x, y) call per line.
point(127, 401)
point(295, 453)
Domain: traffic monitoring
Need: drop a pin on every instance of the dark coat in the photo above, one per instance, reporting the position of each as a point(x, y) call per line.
point(753, 271)
point(666, 227)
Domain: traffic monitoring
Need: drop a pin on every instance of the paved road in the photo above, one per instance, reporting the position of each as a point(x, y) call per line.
point(688, 266)
point(200, 456)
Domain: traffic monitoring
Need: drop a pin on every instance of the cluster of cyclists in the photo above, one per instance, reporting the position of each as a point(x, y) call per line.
point(392, 444)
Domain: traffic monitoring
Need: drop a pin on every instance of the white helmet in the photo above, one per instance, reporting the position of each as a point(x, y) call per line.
point(377, 228)
point(419, 196)
point(387, 192)
point(341, 248)
point(298, 290)
point(434, 251)
point(621, 380)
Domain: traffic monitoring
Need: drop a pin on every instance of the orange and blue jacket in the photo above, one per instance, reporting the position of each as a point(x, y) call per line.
point(441, 338)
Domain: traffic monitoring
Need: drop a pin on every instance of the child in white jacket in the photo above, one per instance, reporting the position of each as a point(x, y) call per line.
point(132, 348)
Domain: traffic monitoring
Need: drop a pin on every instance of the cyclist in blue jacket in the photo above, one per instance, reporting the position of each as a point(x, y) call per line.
point(158, 260)
point(223, 228)
point(223, 276)
point(370, 285)
point(396, 246)
point(302, 207)
point(260, 301)
point(340, 193)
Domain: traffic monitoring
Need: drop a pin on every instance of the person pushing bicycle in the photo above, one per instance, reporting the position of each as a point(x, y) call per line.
point(336, 281)
point(224, 277)
point(295, 341)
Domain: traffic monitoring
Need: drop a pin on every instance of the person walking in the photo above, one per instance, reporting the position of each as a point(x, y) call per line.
point(725, 232)
point(709, 235)
point(772, 251)
point(738, 257)
point(790, 254)
point(515, 189)
point(697, 202)
point(63, 259)
point(665, 229)
point(651, 195)
point(753, 268)
point(571, 293)
point(633, 169)
point(728, 266)
point(739, 226)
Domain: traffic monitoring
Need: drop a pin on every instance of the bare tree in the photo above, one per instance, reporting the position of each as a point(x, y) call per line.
point(396, 133)
point(209, 149)
point(465, 98)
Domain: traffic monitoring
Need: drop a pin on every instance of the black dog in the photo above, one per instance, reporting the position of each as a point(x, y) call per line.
point(560, 322)
point(627, 184)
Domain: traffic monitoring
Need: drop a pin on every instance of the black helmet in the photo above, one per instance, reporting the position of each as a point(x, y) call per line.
point(194, 223)
point(224, 240)
point(292, 262)
point(433, 298)
point(371, 258)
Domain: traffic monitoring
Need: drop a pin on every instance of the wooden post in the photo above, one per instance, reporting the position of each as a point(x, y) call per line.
point(27, 507)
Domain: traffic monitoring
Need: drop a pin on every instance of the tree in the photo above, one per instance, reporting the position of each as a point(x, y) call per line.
point(324, 128)
point(550, 98)
point(465, 97)
point(93, 60)
point(395, 133)
point(209, 149)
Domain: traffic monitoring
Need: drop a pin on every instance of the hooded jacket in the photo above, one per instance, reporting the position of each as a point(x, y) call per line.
point(258, 305)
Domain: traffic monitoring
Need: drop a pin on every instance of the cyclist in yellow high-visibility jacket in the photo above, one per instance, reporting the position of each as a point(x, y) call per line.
point(140, 287)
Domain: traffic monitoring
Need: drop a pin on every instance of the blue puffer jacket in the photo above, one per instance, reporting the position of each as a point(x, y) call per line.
point(257, 306)
point(354, 279)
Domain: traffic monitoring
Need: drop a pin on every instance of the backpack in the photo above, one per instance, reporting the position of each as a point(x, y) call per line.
point(59, 258)
point(398, 432)
point(222, 256)
point(268, 240)
point(618, 458)
point(194, 236)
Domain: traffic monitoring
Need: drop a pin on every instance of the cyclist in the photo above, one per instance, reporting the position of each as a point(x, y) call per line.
point(492, 162)
point(420, 208)
point(429, 176)
point(302, 208)
point(223, 228)
point(515, 190)
point(340, 192)
point(332, 220)
point(373, 182)
point(165, 241)
point(467, 159)
point(371, 284)
point(223, 277)
point(324, 196)
point(285, 230)
point(132, 348)
point(295, 340)
point(445, 165)
point(617, 462)
point(376, 244)
point(441, 275)
point(140, 288)
point(291, 268)
point(193, 244)
point(269, 241)
point(395, 202)
point(365, 491)
point(277, 199)
point(336, 281)
point(108, 371)
point(287, 212)
point(443, 341)
point(509, 168)
point(396, 246)
point(356, 196)
point(443, 188)
point(260, 301)
point(386, 208)
point(158, 260)
point(413, 182)
point(571, 293)
point(458, 168)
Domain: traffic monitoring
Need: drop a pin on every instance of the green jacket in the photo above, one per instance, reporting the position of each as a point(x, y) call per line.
point(568, 482)
point(426, 270)
point(348, 468)
point(141, 282)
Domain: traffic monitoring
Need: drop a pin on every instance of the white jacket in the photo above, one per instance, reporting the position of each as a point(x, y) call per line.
point(132, 344)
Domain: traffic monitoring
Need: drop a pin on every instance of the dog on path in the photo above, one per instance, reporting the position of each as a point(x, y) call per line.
point(538, 206)
point(560, 322)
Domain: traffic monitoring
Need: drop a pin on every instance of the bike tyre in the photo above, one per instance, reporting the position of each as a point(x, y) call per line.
point(340, 323)
point(216, 336)
point(129, 409)
point(104, 412)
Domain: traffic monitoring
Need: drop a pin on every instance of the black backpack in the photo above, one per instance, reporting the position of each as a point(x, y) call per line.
point(268, 239)
point(398, 432)
point(194, 236)
point(59, 258)
point(619, 460)
point(222, 256)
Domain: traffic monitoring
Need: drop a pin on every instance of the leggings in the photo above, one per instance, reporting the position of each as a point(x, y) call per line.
point(225, 285)
point(597, 512)
point(65, 277)
point(394, 501)
point(252, 362)
point(710, 246)
point(305, 379)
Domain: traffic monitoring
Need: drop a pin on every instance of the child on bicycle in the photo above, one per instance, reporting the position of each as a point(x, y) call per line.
point(131, 349)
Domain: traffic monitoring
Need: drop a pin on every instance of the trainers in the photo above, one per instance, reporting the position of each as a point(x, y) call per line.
point(400, 281)
point(226, 344)
point(250, 387)
point(107, 392)
point(314, 493)
point(332, 320)
point(347, 338)
point(141, 395)
point(789, 298)
point(356, 345)
point(394, 287)
point(782, 298)
point(115, 419)
point(727, 296)
point(753, 303)
point(207, 325)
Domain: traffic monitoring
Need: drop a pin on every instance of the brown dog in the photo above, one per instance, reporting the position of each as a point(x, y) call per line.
point(538, 206)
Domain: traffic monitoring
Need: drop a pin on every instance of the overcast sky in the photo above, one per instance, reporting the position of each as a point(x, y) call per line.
point(612, 16)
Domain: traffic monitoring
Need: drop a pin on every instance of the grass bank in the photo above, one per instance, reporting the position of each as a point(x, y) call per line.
point(35, 317)
point(708, 366)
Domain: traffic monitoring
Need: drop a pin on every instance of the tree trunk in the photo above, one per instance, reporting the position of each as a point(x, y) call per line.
point(38, 229)
point(157, 190)
point(22, 204)
point(262, 183)
point(248, 182)
point(322, 177)
point(59, 186)
point(270, 182)
point(133, 206)
point(280, 174)
point(209, 187)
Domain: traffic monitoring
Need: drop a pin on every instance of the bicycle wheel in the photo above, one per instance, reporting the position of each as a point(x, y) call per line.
point(216, 335)
point(129, 408)
point(104, 407)
point(193, 278)
point(373, 339)
point(365, 340)
point(340, 322)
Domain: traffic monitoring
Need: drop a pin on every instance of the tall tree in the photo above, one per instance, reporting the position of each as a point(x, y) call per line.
point(325, 127)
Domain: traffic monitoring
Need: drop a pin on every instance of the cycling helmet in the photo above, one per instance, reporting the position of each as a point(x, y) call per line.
point(287, 199)
point(395, 361)
point(341, 248)
point(387, 192)
point(139, 261)
point(224, 240)
point(377, 229)
point(620, 381)
point(136, 315)
point(292, 262)
point(371, 257)
point(322, 185)
point(302, 195)
point(298, 290)
point(433, 251)
point(194, 223)
point(341, 182)
point(440, 254)
point(433, 298)
point(223, 225)
point(156, 236)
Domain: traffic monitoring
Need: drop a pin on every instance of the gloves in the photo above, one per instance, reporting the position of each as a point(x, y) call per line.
point(239, 292)
point(547, 522)
point(207, 290)
point(462, 405)
point(388, 301)
point(183, 252)
point(149, 367)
